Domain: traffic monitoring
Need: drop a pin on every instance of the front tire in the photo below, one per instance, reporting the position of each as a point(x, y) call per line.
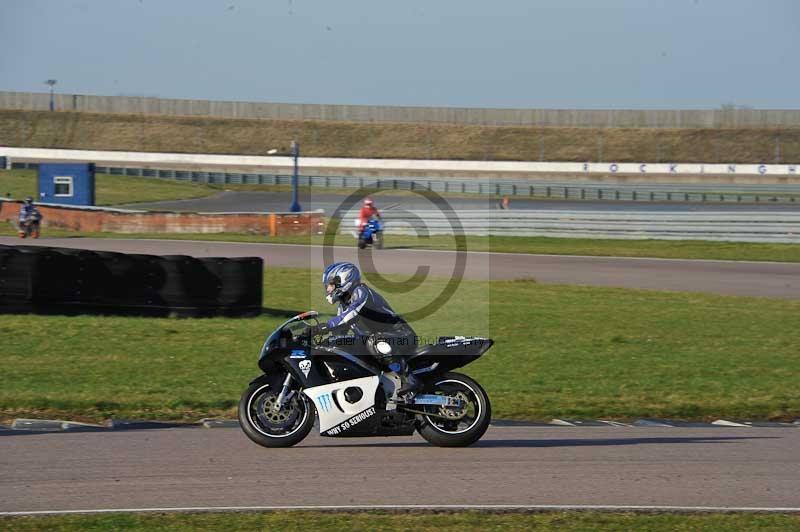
point(268, 427)
point(456, 427)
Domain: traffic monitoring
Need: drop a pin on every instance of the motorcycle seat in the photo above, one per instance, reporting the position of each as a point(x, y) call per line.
point(440, 346)
point(453, 344)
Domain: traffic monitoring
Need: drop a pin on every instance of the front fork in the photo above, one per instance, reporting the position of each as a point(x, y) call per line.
point(285, 394)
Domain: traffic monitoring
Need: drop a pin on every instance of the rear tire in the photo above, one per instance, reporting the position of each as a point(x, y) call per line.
point(474, 418)
point(270, 428)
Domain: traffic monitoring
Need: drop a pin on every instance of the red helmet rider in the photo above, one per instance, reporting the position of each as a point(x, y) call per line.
point(367, 212)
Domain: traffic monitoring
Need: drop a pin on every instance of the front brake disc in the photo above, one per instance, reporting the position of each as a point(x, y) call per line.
point(277, 419)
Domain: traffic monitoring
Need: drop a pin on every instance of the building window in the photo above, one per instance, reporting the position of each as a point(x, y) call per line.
point(63, 186)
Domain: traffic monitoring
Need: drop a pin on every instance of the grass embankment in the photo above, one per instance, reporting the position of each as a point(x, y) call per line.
point(386, 140)
point(574, 352)
point(588, 521)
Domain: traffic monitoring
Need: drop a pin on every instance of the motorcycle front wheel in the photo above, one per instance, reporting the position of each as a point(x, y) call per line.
point(456, 426)
point(378, 240)
point(275, 428)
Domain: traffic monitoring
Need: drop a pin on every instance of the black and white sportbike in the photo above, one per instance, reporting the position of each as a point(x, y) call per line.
point(352, 395)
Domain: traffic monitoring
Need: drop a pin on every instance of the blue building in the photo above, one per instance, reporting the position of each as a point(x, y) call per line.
point(66, 183)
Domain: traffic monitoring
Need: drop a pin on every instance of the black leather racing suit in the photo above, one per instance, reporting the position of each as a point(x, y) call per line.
point(367, 314)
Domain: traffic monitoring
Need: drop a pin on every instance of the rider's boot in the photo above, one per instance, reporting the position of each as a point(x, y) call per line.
point(409, 383)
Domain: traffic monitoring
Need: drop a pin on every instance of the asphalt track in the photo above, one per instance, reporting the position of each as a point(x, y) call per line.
point(518, 465)
point(232, 201)
point(766, 279)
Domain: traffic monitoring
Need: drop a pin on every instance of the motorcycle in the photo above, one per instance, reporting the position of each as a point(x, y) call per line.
point(372, 234)
point(29, 227)
point(351, 395)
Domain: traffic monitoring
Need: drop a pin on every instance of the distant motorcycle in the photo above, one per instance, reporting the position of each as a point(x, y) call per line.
point(352, 396)
point(371, 235)
point(29, 225)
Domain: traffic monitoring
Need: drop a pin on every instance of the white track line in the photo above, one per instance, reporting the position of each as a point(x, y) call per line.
point(424, 507)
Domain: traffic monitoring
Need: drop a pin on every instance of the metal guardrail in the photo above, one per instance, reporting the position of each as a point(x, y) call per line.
point(737, 227)
point(520, 188)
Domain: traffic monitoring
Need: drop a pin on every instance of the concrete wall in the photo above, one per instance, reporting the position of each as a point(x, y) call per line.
point(118, 221)
point(711, 118)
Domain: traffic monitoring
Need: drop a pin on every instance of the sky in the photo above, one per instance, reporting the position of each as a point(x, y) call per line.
point(585, 54)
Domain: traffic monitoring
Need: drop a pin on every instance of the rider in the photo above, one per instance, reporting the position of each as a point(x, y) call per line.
point(369, 316)
point(366, 213)
point(29, 214)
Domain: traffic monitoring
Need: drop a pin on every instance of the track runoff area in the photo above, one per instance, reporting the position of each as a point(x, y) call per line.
point(552, 470)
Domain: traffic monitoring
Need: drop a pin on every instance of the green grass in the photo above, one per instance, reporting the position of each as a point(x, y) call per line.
point(667, 249)
point(110, 189)
point(561, 352)
point(301, 521)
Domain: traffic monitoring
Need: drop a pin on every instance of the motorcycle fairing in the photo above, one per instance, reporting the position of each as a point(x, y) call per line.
point(448, 353)
point(336, 414)
point(372, 227)
point(306, 369)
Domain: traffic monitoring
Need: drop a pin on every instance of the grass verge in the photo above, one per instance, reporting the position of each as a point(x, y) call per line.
point(571, 521)
point(664, 249)
point(561, 351)
point(110, 190)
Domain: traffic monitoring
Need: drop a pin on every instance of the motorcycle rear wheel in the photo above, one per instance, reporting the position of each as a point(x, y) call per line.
point(456, 428)
point(268, 427)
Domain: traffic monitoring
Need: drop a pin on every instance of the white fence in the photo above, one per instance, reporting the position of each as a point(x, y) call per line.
point(398, 166)
point(705, 118)
point(779, 227)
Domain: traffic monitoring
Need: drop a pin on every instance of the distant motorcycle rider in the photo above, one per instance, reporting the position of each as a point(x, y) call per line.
point(367, 212)
point(387, 336)
point(29, 219)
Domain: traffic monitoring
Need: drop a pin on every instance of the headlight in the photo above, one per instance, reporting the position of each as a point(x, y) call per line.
point(383, 347)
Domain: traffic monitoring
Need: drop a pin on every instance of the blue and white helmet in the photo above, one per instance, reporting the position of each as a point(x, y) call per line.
point(344, 276)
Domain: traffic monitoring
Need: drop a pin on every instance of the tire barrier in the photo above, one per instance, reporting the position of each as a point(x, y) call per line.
point(45, 280)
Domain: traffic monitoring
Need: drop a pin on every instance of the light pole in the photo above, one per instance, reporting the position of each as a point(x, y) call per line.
point(295, 207)
point(52, 83)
